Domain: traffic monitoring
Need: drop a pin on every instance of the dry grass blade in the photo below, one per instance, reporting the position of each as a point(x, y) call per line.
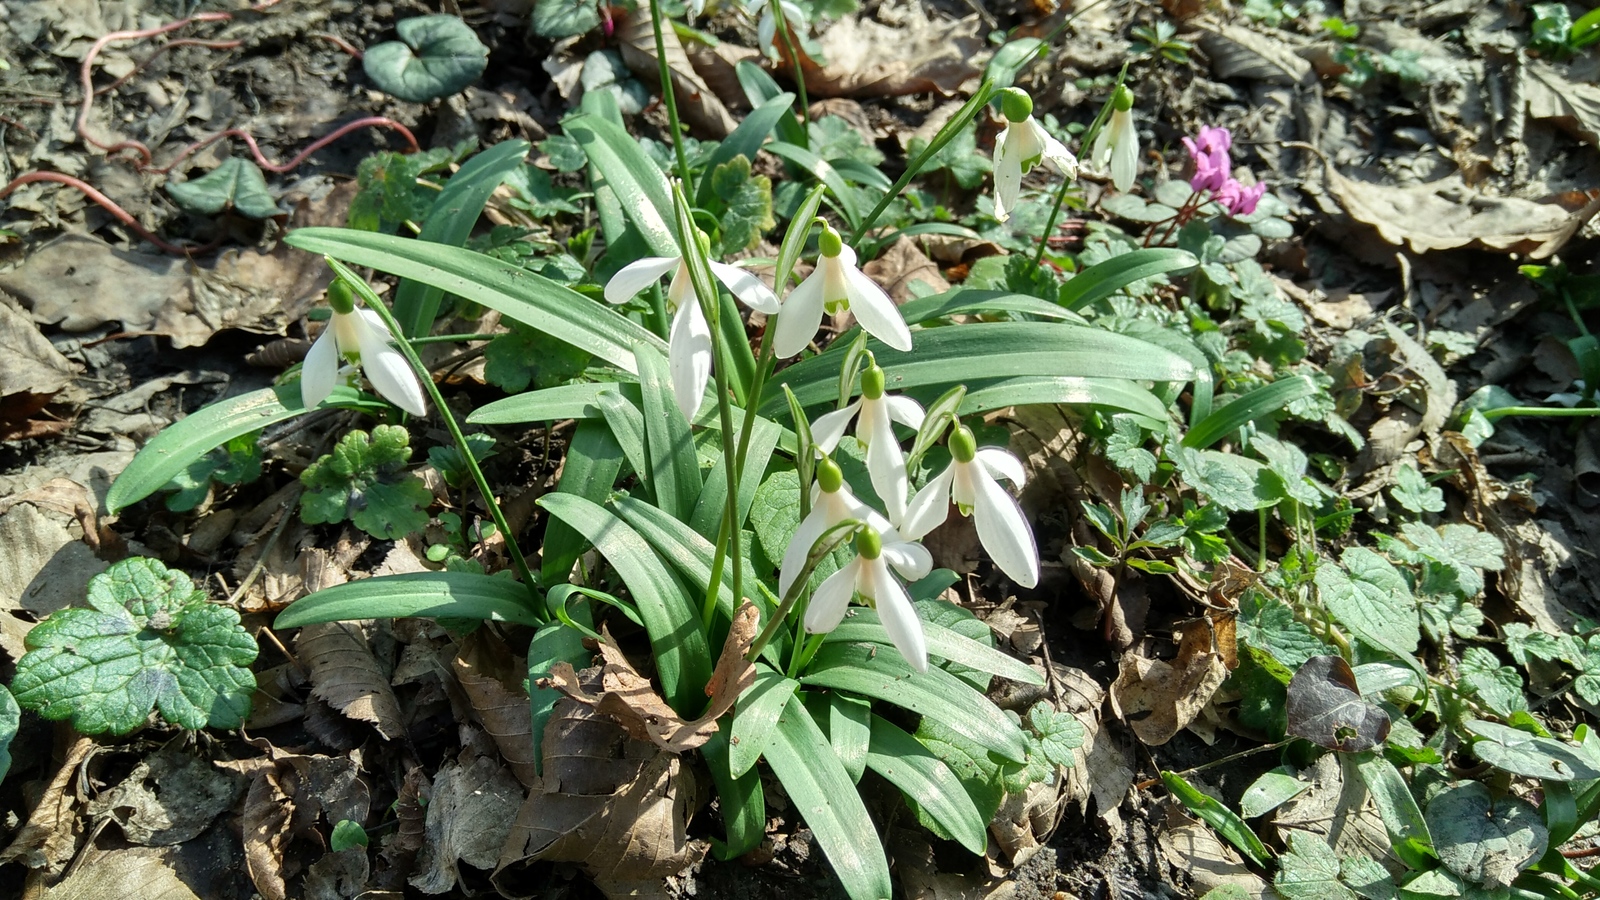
point(493, 678)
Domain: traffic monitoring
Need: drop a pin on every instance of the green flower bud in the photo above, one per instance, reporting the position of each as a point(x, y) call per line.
point(1016, 104)
point(704, 240)
point(963, 446)
point(1123, 101)
point(341, 298)
point(829, 242)
point(829, 476)
point(872, 382)
point(869, 543)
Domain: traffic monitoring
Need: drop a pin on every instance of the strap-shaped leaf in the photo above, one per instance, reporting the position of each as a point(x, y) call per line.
point(638, 182)
point(822, 792)
point(516, 293)
point(746, 140)
point(707, 517)
point(671, 618)
point(1222, 820)
point(741, 798)
point(455, 595)
point(680, 545)
point(627, 423)
point(551, 644)
point(1262, 401)
point(759, 88)
point(674, 465)
point(872, 671)
point(843, 194)
point(567, 401)
point(1402, 818)
point(450, 220)
point(1103, 279)
point(847, 721)
point(904, 762)
point(943, 643)
point(755, 716)
point(1107, 393)
point(594, 458)
point(965, 301)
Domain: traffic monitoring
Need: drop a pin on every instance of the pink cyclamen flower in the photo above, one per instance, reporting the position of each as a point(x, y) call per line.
point(1238, 199)
point(1209, 150)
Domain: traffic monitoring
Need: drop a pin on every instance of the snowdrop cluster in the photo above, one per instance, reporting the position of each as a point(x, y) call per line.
point(1213, 171)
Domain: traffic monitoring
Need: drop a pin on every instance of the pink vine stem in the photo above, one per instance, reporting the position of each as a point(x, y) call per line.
point(110, 206)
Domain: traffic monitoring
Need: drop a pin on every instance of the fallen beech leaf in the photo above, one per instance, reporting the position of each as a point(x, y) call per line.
point(346, 675)
point(867, 59)
point(136, 874)
point(700, 107)
point(1326, 708)
point(1158, 698)
point(628, 697)
point(49, 838)
point(468, 819)
point(168, 798)
point(1574, 105)
point(900, 266)
point(492, 678)
point(268, 812)
point(400, 849)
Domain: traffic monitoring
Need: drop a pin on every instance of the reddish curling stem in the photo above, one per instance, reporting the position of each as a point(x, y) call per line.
point(297, 159)
point(337, 41)
point(107, 204)
point(180, 42)
point(86, 70)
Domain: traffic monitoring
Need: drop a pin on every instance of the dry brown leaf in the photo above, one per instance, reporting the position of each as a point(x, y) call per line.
point(468, 820)
point(1158, 698)
point(1446, 214)
point(1572, 104)
point(168, 798)
point(32, 370)
point(868, 59)
point(698, 105)
point(628, 697)
point(136, 874)
point(1338, 809)
point(338, 876)
point(1194, 849)
point(1237, 51)
point(400, 849)
point(900, 266)
point(49, 837)
point(1437, 388)
point(268, 811)
point(346, 675)
point(493, 679)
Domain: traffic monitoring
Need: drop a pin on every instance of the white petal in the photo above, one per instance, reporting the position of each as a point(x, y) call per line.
point(875, 311)
point(1059, 156)
point(1002, 464)
point(929, 508)
point(766, 30)
point(320, 372)
point(832, 598)
point(905, 410)
point(962, 493)
point(1004, 531)
point(899, 618)
point(827, 430)
point(638, 275)
point(689, 357)
point(1125, 156)
point(1007, 183)
point(750, 290)
point(887, 466)
point(910, 559)
point(1101, 153)
point(800, 317)
point(794, 558)
point(391, 375)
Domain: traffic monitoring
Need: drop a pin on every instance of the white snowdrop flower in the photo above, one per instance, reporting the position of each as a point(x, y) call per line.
point(359, 337)
point(767, 25)
point(969, 480)
point(1118, 142)
point(1022, 145)
point(836, 284)
point(689, 340)
point(875, 412)
point(868, 575)
point(831, 503)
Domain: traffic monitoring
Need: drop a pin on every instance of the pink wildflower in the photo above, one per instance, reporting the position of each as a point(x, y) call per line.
point(1209, 150)
point(1238, 199)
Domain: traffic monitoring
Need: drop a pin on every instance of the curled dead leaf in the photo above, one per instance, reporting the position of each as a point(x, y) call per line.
point(346, 675)
point(868, 59)
point(700, 107)
point(1158, 698)
point(468, 820)
point(492, 678)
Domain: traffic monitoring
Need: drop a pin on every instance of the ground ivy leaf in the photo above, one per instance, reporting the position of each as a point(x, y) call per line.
point(1288, 463)
point(538, 196)
point(1587, 685)
point(1271, 625)
point(150, 641)
point(236, 462)
point(1310, 871)
point(387, 192)
point(1326, 708)
point(1521, 753)
point(1413, 491)
point(436, 56)
point(10, 721)
point(1460, 549)
point(1059, 733)
point(237, 184)
point(525, 358)
point(1125, 448)
point(960, 157)
point(1368, 595)
point(748, 199)
point(450, 462)
point(1451, 614)
point(1483, 838)
point(1524, 643)
point(1497, 687)
point(1233, 482)
point(364, 480)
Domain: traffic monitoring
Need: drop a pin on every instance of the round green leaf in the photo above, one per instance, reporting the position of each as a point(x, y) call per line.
point(1485, 839)
point(236, 184)
point(436, 56)
point(1521, 753)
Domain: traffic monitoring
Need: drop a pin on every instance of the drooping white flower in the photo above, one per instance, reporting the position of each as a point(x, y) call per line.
point(689, 341)
point(359, 337)
point(836, 285)
point(1117, 145)
point(767, 27)
point(831, 503)
point(868, 575)
point(969, 480)
point(875, 412)
point(1022, 145)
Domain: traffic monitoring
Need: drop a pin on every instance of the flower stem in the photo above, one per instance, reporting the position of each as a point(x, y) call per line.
point(824, 545)
point(1050, 223)
point(374, 303)
point(730, 513)
point(778, 17)
point(667, 97)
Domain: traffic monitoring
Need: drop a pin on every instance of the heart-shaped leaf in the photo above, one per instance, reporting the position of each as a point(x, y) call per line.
point(436, 56)
point(1325, 708)
point(1521, 753)
point(237, 184)
point(1483, 838)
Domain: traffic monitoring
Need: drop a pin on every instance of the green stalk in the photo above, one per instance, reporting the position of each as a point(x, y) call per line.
point(446, 338)
point(799, 76)
point(1555, 412)
point(667, 97)
point(1086, 145)
point(826, 543)
point(374, 303)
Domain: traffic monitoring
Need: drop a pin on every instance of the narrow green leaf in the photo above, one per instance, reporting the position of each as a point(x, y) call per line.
point(516, 293)
point(826, 799)
point(740, 797)
point(638, 182)
point(794, 239)
point(844, 196)
point(1402, 818)
point(754, 717)
point(943, 643)
point(1010, 60)
point(454, 595)
point(554, 643)
point(1106, 393)
point(627, 424)
point(450, 221)
point(1260, 402)
point(904, 762)
point(880, 673)
point(594, 458)
point(847, 721)
point(567, 401)
point(1103, 279)
point(1222, 820)
point(707, 517)
point(967, 301)
point(681, 546)
point(746, 140)
point(671, 618)
point(674, 465)
point(759, 88)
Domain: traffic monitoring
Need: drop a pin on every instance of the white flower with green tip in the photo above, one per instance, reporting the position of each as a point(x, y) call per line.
point(1117, 145)
point(970, 481)
point(868, 575)
point(831, 503)
point(835, 285)
point(689, 340)
point(358, 337)
point(875, 412)
point(1022, 145)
